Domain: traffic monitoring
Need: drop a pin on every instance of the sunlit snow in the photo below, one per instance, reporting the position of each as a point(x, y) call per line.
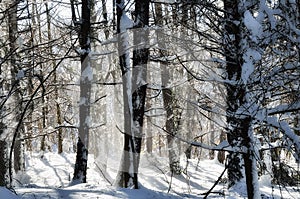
point(48, 176)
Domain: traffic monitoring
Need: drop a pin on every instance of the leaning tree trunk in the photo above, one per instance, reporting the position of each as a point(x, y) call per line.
point(85, 94)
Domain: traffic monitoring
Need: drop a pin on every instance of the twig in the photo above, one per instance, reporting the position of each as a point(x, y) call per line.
point(106, 178)
point(215, 184)
point(170, 184)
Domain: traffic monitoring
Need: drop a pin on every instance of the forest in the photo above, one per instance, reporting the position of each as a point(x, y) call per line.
point(149, 99)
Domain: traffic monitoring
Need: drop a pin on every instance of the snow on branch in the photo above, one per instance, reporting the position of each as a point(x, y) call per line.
point(287, 132)
point(284, 108)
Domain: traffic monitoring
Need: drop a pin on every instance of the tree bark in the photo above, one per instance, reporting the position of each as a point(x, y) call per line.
point(3, 157)
point(123, 176)
point(221, 154)
point(149, 134)
point(134, 90)
point(239, 130)
point(173, 112)
point(17, 97)
point(234, 94)
point(55, 82)
point(211, 136)
point(139, 76)
point(85, 94)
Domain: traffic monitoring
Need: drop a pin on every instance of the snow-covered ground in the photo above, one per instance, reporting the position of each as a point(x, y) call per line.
point(48, 176)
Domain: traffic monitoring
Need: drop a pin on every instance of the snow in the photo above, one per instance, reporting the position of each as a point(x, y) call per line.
point(125, 23)
point(288, 133)
point(88, 121)
point(87, 73)
point(82, 101)
point(253, 148)
point(252, 25)
point(7, 194)
point(50, 176)
point(251, 56)
point(20, 74)
point(247, 70)
point(20, 42)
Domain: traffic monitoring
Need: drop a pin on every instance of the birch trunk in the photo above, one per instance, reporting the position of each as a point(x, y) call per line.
point(134, 89)
point(124, 176)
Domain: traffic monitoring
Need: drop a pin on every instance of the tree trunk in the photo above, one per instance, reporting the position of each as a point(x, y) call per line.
point(85, 94)
point(233, 69)
point(105, 18)
point(139, 73)
point(173, 113)
point(17, 97)
point(30, 84)
point(134, 90)
point(29, 125)
point(3, 144)
point(159, 22)
point(211, 136)
point(58, 112)
point(173, 117)
point(39, 39)
point(172, 126)
point(55, 82)
point(221, 154)
point(123, 176)
point(149, 134)
point(3, 157)
point(239, 130)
